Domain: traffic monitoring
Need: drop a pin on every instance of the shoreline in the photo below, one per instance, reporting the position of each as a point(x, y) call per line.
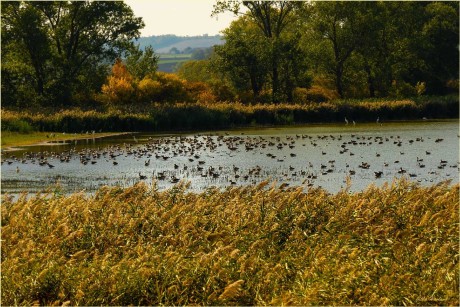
point(11, 148)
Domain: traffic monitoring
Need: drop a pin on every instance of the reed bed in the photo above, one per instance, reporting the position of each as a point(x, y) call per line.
point(218, 115)
point(260, 245)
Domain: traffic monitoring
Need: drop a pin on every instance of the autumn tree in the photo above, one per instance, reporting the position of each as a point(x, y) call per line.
point(119, 88)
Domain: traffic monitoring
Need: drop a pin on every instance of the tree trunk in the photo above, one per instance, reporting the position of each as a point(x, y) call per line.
point(275, 83)
point(254, 85)
point(338, 80)
point(370, 80)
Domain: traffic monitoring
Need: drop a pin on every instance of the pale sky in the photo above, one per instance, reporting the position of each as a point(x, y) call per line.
point(179, 17)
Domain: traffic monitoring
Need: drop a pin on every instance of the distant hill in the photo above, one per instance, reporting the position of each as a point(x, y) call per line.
point(164, 43)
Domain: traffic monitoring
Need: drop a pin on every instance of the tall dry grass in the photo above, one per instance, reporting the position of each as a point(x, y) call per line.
point(394, 245)
point(219, 115)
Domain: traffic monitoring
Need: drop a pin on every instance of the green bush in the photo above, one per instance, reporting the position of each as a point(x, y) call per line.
point(17, 125)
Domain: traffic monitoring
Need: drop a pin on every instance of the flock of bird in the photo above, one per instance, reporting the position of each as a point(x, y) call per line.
point(171, 159)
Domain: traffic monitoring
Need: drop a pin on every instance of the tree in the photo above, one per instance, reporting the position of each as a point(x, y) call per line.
point(25, 52)
point(441, 50)
point(244, 56)
point(174, 50)
point(119, 88)
point(66, 41)
point(195, 71)
point(140, 63)
point(271, 17)
point(384, 46)
point(342, 27)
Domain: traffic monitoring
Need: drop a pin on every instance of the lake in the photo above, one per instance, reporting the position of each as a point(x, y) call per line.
point(310, 155)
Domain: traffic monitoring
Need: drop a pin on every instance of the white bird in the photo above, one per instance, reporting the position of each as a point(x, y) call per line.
point(354, 124)
point(346, 121)
point(378, 120)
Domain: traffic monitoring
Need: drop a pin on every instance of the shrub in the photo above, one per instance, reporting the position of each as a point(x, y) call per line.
point(172, 88)
point(402, 89)
point(453, 85)
point(17, 125)
point(321, 94)
point(149, 90)
point(119, 88)
point(300, 95)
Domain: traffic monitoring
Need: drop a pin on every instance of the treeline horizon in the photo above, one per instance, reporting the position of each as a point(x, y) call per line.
point(68, 54)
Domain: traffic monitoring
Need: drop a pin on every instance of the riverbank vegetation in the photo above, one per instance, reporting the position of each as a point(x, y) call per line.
point(393, 245)
point(219, 115)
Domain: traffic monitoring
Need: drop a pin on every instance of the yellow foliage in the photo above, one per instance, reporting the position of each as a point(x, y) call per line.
point(231, 291)
point(321, 94)
point(149, 89)
point(119, 87)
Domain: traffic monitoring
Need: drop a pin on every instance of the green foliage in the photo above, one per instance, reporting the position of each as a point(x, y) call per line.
point(141, 63)
point(195, 71)
point(57, 52)
point(368, 47)
point(64, 45)
point(268, 21)
point(246, 62)
point(17, 125)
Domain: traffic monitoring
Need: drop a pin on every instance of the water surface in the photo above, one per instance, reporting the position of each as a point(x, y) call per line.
point(308, 155)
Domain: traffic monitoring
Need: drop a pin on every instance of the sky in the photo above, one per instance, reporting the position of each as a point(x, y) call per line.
point(179, 17)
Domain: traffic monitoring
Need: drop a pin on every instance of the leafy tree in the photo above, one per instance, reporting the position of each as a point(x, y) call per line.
point(25, 52)
point(195, 71)
point(271, 17)
point(388, 47)
point(201, 53)
point(244, 56)
point(67, 41)
point(342, 27)
point(205, 82)
point(187, 50)
point(440, 31)
point(140, 63)
point(174, 50)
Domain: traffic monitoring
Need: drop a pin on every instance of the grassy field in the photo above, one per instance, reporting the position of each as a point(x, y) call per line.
point(395, 245)
point(168, 62)
point(164, 56)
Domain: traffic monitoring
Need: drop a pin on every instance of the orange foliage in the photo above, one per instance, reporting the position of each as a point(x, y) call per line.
point(119, 87)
